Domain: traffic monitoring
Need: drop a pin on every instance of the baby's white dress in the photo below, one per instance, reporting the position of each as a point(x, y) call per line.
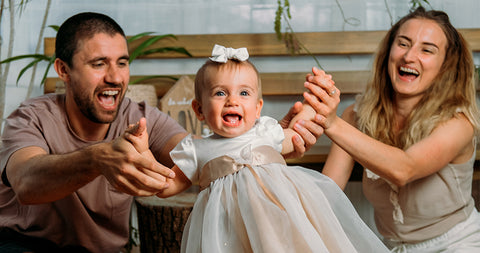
point(250, 201)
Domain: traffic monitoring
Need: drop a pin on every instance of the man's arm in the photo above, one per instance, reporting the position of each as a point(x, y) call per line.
point(38, 177)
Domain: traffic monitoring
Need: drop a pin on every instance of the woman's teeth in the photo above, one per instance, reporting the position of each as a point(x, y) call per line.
point(409, 71)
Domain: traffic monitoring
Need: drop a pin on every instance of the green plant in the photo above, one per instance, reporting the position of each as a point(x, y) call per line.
point(291, 41)
point(36, 58)
point(144, 48)
point(418, 3)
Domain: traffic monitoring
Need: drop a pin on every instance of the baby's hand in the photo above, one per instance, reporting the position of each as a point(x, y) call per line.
point(138, 136)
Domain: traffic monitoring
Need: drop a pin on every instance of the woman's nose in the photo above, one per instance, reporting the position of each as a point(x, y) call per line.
point(410, 55)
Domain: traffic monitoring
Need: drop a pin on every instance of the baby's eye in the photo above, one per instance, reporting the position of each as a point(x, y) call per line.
point(219, 93)
point(244, 93)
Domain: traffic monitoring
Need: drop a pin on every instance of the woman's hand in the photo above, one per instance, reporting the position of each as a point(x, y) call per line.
point(309, 132)
point(324, 97)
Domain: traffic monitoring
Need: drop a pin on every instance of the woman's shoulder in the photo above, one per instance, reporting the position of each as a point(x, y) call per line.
point(463, 139)
point(350, 114)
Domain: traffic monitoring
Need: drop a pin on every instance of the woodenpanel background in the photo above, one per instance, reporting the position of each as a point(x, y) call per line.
point(349, 82)
point(318, 43)
point(266, 44)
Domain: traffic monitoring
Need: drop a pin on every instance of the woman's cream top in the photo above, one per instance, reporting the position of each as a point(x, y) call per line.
point(424, 208)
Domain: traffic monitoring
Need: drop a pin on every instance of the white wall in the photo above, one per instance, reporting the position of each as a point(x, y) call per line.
point(224, 16)
point(217, 16)
point(220, 16)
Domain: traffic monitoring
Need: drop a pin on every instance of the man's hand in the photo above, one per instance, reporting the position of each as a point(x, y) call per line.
point(136, 173)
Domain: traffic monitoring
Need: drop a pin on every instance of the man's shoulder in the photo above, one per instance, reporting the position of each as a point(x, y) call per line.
point(47, 100)
point(40, 109)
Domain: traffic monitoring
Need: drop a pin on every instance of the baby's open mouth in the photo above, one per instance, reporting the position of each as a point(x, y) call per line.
point(232, 118)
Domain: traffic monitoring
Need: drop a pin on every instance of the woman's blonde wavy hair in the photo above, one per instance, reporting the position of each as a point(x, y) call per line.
point(452, 91)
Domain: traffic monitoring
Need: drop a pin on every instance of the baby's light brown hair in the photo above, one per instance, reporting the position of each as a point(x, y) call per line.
point(202, 78)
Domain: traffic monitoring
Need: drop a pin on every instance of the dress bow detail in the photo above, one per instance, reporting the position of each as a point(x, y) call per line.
point(223, 54)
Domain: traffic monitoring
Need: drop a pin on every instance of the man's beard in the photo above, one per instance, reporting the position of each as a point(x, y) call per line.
point(88, 109)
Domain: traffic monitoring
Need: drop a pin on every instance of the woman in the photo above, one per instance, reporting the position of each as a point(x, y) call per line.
point(414, 132)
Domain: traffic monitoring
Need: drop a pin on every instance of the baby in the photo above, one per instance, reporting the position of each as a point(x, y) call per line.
point(250, 200)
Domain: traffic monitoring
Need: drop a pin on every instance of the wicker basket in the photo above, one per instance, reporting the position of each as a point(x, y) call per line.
point(142, 92)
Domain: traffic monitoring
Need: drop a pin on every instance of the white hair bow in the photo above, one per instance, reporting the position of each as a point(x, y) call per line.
point(222, 54)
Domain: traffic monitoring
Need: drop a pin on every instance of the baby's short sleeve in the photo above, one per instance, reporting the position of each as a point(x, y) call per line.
point(185, 157)
point(271, 131)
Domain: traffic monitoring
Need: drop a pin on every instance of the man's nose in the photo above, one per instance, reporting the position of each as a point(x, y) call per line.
point(113, 75)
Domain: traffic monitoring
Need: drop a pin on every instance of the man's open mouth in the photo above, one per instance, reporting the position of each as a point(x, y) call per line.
point(107, 98)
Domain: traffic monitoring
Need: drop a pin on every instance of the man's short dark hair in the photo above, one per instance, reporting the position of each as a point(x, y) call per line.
point(79, 27)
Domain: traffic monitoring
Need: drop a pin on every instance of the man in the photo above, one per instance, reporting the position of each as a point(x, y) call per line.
point(68, 180)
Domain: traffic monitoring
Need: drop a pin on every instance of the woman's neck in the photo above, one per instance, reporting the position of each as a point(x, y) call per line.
point(403, 107)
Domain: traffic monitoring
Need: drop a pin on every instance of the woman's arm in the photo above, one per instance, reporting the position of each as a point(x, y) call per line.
point(339, 163)
point(420, 160)
point(301, 120)
point(450, 142)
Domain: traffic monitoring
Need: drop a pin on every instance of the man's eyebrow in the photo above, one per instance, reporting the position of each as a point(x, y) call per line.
point(125, 57)
point(102, 58)
point(96, 59)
